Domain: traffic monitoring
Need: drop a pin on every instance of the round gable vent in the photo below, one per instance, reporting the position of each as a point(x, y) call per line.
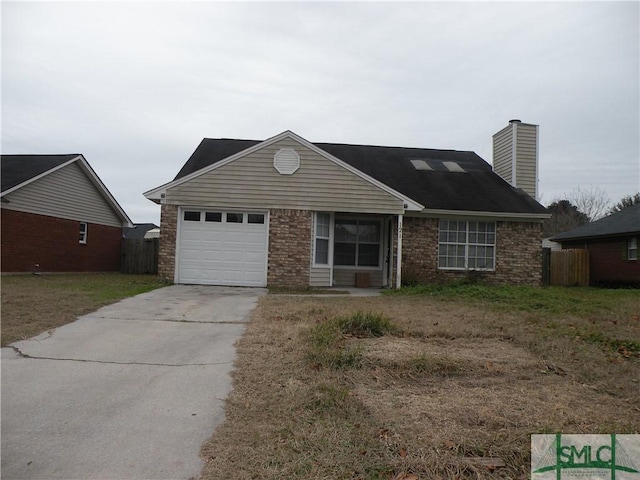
point(286, 161)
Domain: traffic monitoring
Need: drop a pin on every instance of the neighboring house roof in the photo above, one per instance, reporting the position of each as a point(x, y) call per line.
point(548, 243)
point(448, 180)
point(139, 230)
point(624, 222)
point(153, 233)
point(17, 171)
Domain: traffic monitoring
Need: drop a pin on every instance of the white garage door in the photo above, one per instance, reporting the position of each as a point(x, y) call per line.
point(222, 248)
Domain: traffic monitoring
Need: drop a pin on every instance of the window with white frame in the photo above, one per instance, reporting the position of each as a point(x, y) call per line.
point(323, 231)
point(466, 245)
point(632, 249)
point(84, 230)
point(357, 242)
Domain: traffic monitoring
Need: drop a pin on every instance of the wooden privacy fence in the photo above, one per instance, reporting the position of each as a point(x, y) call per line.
point(140, 255)
point(569, 267)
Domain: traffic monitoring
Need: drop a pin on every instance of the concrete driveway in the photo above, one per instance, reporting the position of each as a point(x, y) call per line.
point(128, 392)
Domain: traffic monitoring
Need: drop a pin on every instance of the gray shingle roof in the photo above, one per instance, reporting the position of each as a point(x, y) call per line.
point(624, 222)
point(477, 188)
point(17, 169)
point(138, 230)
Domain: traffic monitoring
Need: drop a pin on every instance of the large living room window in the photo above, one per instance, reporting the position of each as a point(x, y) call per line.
point(466, 245)
point(357, 242)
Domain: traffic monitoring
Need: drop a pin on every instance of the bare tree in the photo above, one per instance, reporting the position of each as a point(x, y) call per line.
point(625, 202)
point(593, 201)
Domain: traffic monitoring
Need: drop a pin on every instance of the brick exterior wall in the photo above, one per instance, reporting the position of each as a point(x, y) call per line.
point(419, 250)
point(40, 243)
point(518, 254)
point(167, 249)
point(608, 260)
point(518, 250)
point(289, 248)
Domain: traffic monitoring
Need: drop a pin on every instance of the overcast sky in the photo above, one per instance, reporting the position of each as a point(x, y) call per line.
point(136, 86)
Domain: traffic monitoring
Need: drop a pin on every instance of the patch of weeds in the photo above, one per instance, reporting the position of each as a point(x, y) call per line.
point(325, 335)
point(365, 325)
point(472, 449)
point(627, 348)
point(337, 359)
point(434, 365)
point(329, 397)
point(317, 311)
point(328, 348)
point(427, 365)
point(327, 342)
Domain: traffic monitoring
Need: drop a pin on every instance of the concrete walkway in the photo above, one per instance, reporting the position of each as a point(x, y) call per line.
point(336, 292)
point(128, 392)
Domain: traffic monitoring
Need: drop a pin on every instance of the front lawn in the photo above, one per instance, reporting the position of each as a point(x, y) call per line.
point(33, 304)
point(429, 383)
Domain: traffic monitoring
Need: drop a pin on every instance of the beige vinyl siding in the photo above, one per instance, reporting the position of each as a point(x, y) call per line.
point(320, 277)
point(526, 158)
point(517, 167)
point(346, 277)
point(253, 182)
point(502, 153)
point(66, 193)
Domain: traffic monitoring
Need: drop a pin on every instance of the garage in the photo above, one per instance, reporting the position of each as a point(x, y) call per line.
point(222, 248)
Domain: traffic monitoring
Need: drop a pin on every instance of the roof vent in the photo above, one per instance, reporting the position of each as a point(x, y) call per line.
point(286, 161)
point(453, 167)
point(419, 164)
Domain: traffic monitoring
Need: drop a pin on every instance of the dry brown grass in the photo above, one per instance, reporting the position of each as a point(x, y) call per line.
point(456, 392)
point(33, 304)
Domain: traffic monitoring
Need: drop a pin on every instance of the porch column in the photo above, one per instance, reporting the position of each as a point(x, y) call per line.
point(399, 254)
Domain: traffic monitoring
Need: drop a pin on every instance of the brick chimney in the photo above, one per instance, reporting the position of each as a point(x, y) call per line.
point(515, 155)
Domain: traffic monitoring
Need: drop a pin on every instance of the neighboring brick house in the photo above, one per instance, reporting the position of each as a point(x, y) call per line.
point(57, 216)
point(288, 212)
point(612, 243)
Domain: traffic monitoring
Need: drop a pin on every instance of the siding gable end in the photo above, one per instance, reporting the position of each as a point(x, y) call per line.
point(251, 181)
point(65, 193)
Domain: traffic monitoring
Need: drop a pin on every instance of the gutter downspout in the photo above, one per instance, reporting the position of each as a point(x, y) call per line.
point(399, 254)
